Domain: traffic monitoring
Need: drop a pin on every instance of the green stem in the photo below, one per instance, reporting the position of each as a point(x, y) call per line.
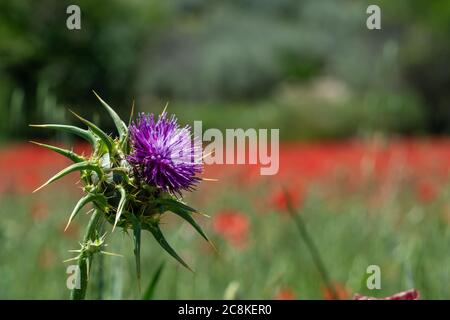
point(100, 279)
point(79, 294)
point(317, 259)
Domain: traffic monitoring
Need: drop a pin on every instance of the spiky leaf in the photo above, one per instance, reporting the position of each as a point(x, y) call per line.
point(180, 209)
point(120, 125)
point(156, 231)
point(84, 134)
point(85, 165)
point(123, 199)
point(171, 202)
point(67, 153)
point(97, 131)
point(80, 204)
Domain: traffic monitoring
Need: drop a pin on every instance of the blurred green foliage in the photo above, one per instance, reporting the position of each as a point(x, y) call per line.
point(227, 55)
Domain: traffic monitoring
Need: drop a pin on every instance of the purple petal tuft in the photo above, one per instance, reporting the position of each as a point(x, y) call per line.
point(163, 154)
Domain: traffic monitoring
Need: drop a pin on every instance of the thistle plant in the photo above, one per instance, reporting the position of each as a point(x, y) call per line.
point(131, 180)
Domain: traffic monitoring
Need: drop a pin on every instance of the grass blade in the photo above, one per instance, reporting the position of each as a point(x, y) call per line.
point(150, 292)
point(137, 247)
point(310, 244)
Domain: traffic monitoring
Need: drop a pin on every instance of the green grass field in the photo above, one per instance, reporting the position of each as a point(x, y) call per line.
point(407, 239)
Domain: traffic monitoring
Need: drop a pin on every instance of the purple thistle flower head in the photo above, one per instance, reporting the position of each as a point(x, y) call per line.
point(163, 154)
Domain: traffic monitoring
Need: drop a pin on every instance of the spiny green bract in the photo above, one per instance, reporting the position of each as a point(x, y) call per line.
point(109, 184)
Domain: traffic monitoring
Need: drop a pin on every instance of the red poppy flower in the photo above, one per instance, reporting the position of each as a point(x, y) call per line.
point(279, 198)
point(233, 226)
point(412, 294)
point(285, 294)
point(340, 290)
point(426, 191)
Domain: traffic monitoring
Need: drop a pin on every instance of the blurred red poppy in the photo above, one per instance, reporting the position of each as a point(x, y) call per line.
point(426, 191)
point(279, 198)
point(412, 294)
point(285, 294)
point(233, 226)
point(341, 291)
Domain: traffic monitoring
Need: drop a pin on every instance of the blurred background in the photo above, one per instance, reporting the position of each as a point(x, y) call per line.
point(364, 119)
